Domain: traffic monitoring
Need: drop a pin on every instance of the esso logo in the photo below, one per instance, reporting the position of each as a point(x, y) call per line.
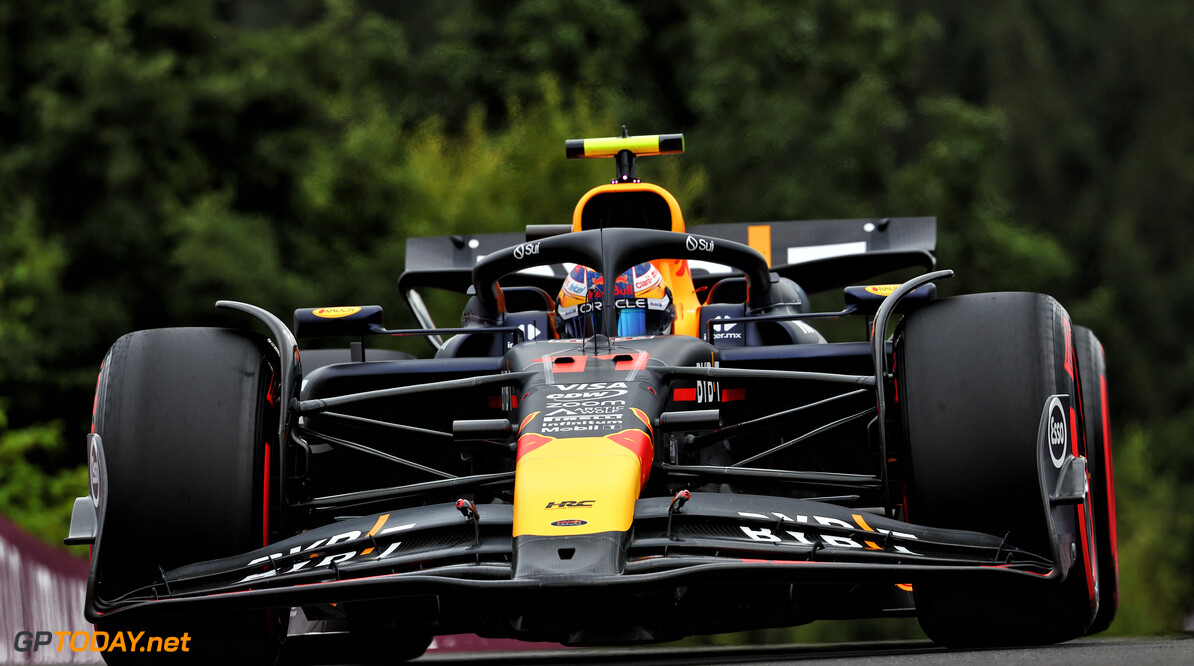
point(526, 250)
point(93, 470)
point(694, 244)
point(1057, 433)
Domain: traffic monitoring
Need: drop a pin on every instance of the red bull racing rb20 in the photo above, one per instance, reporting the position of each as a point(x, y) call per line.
point(636, 433)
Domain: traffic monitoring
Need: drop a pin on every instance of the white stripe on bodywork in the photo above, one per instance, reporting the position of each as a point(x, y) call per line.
point(798, 255)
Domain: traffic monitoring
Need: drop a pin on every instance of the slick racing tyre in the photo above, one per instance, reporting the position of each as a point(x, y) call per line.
point(1092, 376)
point(186, 420)
point(976, 372)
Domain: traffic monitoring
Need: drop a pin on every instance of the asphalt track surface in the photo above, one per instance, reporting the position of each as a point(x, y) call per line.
point(1087, 652)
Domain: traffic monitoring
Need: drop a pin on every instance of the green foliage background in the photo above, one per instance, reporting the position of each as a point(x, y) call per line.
point(155, 157)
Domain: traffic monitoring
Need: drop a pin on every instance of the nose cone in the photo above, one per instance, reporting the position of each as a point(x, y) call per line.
point(579, 485)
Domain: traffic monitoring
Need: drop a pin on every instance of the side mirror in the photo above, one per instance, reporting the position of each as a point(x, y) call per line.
point(354, 321)
point(868, 299)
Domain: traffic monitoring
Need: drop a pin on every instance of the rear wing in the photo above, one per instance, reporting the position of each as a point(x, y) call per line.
point(818, 255)
point(446, 262)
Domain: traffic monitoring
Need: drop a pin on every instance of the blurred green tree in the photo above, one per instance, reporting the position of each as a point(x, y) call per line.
point(39, 502)
point(157, 157)
point(1096, 98)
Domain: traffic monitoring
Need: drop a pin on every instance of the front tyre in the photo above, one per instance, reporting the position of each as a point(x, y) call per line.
point(186, 419)
point(975, 374)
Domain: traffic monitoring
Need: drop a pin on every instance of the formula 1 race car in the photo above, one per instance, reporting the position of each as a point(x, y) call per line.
point(635, 435)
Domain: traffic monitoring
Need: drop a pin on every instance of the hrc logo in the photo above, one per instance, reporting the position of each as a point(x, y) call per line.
point(570, 504)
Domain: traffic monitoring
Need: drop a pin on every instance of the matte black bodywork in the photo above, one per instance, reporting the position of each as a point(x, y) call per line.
point(773, 469)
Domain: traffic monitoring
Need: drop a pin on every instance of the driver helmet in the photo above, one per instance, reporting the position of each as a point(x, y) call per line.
point(642, 303)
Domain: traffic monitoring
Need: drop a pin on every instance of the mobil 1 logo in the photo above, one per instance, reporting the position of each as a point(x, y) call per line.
point(581, 423)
